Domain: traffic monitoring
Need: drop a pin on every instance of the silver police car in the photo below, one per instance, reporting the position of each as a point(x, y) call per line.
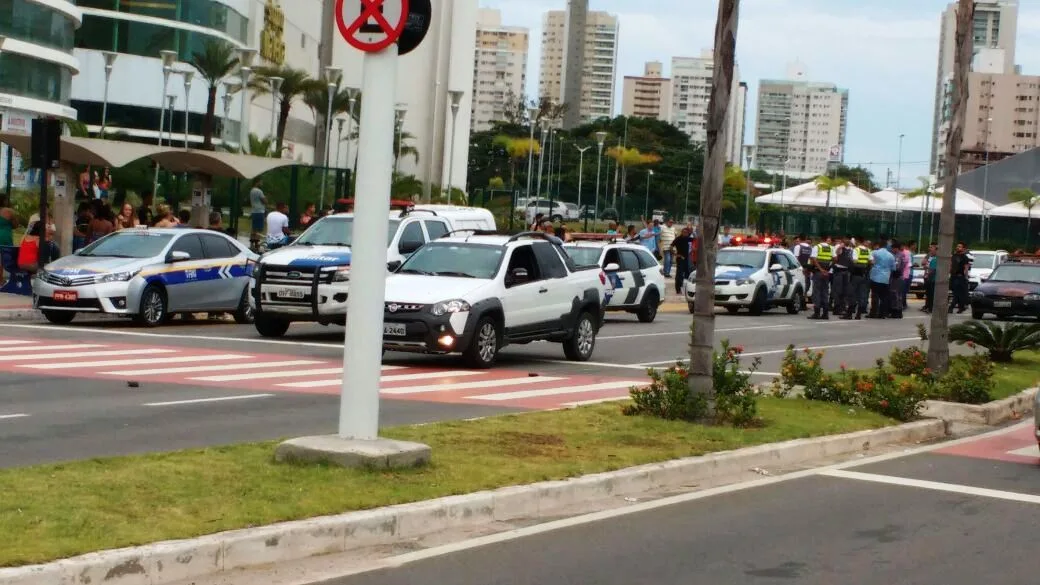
point(149, 275)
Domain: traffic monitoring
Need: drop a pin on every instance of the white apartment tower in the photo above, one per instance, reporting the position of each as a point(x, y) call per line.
point(579, 62)
point(648, 96)
point(801, 122)
point(691, 90)
point(499, 68)
point(995, 27)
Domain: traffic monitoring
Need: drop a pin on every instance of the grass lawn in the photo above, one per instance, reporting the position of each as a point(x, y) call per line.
point(56, 511)
point(1019, 375)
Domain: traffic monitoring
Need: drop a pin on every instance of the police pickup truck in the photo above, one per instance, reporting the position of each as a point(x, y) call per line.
point(475, 294)
point(309, 280)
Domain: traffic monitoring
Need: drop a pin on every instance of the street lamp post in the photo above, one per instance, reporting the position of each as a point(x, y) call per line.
point(749, 155)
point(899, 177)
point(985, 184)
point(400, 112)
point(456, 100)
point(581, 169)
point(646, 203)
point(168, 58)
point(245, 71)
point(543, 127)
point(352, 98)
point(110, 60)
point(332, 76)
point(548, 177)
point(188, 76)
point(172, 105)
point(532, 119)
point(226, 100)
point(559, 171)
point(276, 86)
point(600, 138)
point(340, 122)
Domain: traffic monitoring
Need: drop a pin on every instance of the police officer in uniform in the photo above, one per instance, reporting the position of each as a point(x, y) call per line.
point(803, 251)
point(821, 260)
point(840, 274)
point(857, 295)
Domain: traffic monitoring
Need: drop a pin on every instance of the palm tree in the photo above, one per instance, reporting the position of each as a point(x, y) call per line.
point(402, 147)
point(702, 332)
point(828, 184)
point(295, 84)
point(925, 190)
point(257, 147)
point(216, 61)
point(630, 157)
point(939, 334)
point(1029, 199)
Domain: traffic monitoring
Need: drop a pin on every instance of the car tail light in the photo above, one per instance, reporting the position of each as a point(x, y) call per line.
point(602, 277)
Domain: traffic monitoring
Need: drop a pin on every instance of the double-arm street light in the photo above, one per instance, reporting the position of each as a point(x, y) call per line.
point(332, 77)
point(601, 137)
point(188, 76)
point(168, 58)
point(581, 168)
point(110, 60)
point(456, 101)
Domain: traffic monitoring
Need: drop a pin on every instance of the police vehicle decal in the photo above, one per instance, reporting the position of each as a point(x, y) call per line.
point(735, 274)
point(322, 259)
point(172, 276)
point(74, 271)
point(633, 293)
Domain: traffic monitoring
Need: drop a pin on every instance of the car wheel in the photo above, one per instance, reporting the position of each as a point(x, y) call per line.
point(796, 306)
point(691, 307)
point(977, 314)
point(152, 311)
point(483, 348)
point(557, 218)
point(269, 326)
point(648, 308)
point(733, 310)
point(59, 317)
point(580, 345)
point(758, 303)
point(244, 313)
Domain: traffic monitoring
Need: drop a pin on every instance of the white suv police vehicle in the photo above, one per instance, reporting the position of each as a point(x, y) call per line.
point(755, 278)
point(634, 273)
point(309, 280)
point(476, 294)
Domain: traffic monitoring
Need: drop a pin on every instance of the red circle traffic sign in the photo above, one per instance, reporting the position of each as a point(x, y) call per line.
point(371, 30)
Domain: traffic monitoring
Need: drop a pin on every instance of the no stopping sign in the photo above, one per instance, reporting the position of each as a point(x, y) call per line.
point(371, 25)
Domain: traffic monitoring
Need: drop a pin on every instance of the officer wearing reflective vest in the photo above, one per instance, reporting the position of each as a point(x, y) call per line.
point(821, 259)
point(840, 267)
point(858, 294)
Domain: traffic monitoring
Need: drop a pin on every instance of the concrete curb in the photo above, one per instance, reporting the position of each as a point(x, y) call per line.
point(167, 562)
point(991, 413)
point(28, 314)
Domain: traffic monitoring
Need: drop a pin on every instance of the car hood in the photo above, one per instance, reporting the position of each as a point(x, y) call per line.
point(1008, 289)
point(82, 265)
point(425, 290)
point(980, 272)
point(308, 256)
point(734, 272)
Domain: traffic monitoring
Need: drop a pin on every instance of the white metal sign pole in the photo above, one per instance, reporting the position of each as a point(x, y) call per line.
point(362, 351)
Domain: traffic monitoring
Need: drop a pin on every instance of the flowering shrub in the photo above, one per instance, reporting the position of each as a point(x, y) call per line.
point(668, 396)
point(800, 369)
point(908, 361)
point(900, 400)
point(969, 380)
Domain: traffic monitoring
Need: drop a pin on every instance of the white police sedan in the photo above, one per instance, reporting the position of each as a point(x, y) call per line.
point(149, 275)
point(755, 278)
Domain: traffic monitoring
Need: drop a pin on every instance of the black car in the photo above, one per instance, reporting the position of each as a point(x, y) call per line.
point(1012, 290)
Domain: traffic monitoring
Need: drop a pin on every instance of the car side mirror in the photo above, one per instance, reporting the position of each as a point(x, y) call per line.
point(776, 268)
point(612, 267)
point(393, 266)
point(517, 276)
point(409, 247)
point(177, 256)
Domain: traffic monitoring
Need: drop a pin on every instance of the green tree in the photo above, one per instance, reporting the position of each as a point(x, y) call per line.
point(829, 184)
point(858, 176)
point(214, 63)
point(518, 150)
point(1029, 199)
point(402, 146)
point(295, 84)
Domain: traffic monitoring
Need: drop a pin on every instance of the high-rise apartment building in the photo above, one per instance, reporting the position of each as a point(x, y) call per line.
point(801, 126)
point(499, 68)
point(995, 27)
point(691, 90)
point(579, 62)
point(648, 96)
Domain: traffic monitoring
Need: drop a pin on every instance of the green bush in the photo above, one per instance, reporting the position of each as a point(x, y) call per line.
point(800, 369)
point(1001, 340)
point(969, 380)
point(908, 361)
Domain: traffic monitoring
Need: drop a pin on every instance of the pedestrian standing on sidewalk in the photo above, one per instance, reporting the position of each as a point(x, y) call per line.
point(880, 276)
point(858, 294)
point(820, 260)
point(841, 276)
point(908, 273)
point(682, 249)
point(895, 303)
point(931, 263)
point(667, 237)
point(959, 268)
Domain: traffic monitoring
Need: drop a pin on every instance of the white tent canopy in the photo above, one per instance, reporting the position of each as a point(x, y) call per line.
point(964, 203)
point(1015, 209)
point(808, 195)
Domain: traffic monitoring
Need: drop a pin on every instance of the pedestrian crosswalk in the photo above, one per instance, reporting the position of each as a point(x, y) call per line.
point(267, 374)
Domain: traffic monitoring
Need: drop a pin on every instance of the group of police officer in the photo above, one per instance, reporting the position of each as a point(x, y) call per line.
point(838, 272)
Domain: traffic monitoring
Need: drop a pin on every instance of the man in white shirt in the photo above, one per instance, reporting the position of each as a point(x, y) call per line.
point(278, 226)
point(667, 237)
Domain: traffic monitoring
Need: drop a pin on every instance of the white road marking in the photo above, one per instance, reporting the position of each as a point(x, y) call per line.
point(597, 401)
point(113, 332)
point(687, 332)
point(11, 416)
point(397, 378)
point(292, 374)
point(798, 347)
point(140, 362)
point(82, 354)
point(25, 350)
point(1030, 451)
point(470, 385)
point(204, 400)
point(213, 368)
point(595, 364)
point(6, 342)
point(966, 490)
point(557, 391)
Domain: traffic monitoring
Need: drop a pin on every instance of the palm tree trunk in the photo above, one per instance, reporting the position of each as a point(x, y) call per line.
point(939, 336)
point(702, 332)
point(283, 119)
point(207, 122)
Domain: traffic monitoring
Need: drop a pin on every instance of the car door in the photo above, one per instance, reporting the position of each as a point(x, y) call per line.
point(792, 274)
point(435, 229)
point(618, 279)
point(186, 281)
point(559, 295)
point(631, 272)
point(520, 301)
point(224, 289)
point(774, 278)
point(650, 270)
point(411, 238)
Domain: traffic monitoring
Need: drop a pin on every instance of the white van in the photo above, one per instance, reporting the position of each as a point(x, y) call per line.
point(309, 280)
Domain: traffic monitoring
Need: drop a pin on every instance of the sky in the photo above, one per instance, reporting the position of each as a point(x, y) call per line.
point(884, 52)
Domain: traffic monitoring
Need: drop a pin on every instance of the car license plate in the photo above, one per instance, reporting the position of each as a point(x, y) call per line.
point(1002, 304)
point(66, 296)
point(395, 329)
point(290, 293)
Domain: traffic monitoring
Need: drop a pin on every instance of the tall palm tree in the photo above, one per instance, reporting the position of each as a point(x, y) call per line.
point(257, 147)
point(295, 84)
point(216, 61)
point(702, 332)
point(1029, 199)
point(939, 334)
point(402, 147)
point(828, 184)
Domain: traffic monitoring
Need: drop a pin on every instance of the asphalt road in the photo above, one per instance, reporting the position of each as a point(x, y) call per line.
point(109, 388)
point(959, 515)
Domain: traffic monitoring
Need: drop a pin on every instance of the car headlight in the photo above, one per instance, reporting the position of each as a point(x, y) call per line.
point(1032, 297)
point(115, 277)
point(456, 306)
point(339, 273)
point(745, 281)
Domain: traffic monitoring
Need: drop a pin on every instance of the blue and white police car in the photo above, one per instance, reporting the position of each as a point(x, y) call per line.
point(756, 278)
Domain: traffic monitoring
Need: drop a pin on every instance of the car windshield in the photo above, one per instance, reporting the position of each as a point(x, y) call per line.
point(584, 256)
point(1020, 273)
point(454, 259)
point(337, 231)
point(128, 244)
point(983, 260)
point(742, 258)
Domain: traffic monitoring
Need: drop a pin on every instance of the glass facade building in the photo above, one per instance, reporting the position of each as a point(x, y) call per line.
point(36, 60)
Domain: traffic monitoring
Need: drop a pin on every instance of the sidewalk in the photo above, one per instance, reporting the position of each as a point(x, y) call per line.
point(17, 308)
